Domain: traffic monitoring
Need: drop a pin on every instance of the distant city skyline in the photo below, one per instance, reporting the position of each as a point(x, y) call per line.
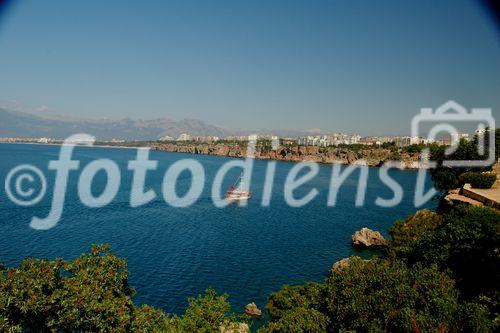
point(348, 67)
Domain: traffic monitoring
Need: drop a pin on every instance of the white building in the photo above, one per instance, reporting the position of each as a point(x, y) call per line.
point(206, 139)
point(404, 141)
point(329, 140)
point(184, 137)
point(456, 137)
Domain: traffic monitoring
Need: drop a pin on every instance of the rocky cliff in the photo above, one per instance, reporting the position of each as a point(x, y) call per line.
point(372, 156)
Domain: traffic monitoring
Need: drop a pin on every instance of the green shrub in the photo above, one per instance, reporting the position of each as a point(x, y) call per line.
point(91, 294)
point(466, 244)
point(309, 295)
point(404, 233)
point(478, 179)
point(387, 296)
point(474, 317)
point(414, 148)
point(298, 319)
point(205, 313)
point(446, 178)
point(369, 296)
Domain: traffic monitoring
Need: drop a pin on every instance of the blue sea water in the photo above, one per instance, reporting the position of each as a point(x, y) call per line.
point(175, 253)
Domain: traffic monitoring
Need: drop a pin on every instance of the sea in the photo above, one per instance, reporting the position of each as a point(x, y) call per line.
point(177, 252)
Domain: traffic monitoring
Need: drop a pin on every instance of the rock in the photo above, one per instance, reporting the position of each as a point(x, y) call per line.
point(252, 309)
point(344, 263)
point(351, 157)
point(234, 328)
point(341, 264)
point(368, 238)
point(424, 215)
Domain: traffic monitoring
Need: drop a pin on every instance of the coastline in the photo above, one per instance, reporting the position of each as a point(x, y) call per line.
point(373, 157)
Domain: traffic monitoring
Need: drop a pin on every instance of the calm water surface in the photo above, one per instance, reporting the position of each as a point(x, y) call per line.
point(174, 253)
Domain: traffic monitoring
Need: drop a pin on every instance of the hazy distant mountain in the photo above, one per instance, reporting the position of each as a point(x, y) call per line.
point(28, 125)
point(19, 124)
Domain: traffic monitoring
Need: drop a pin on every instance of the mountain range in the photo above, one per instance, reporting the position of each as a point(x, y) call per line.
point(27, 125)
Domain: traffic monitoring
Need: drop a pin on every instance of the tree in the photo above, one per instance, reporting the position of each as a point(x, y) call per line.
point(205, 313)
point(374, 296)
point(404, 233)
point(88, 294)
point(299, 320)
point(386, 295)
point(446, 178)
point(466, 244)
point(309, 295)
point(91, 294)
point(297, 309)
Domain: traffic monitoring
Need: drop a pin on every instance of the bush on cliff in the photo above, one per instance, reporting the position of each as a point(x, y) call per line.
point(478, 179)
point(373, 296)
point(414, 148)
point(205, 313)
point(91, 294)
point(446, 178)
point(466, 244)
point(404, 233)
point(297, 309)
point(298, 319)
point(383, 295)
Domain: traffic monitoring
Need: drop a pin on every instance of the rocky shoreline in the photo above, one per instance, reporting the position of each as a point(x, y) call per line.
point(372, 156)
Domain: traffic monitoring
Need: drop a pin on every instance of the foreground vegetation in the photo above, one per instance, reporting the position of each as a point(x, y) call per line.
point(441, 273)
point(91, 294)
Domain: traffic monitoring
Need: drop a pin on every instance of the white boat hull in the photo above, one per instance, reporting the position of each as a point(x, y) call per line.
point(238, 195)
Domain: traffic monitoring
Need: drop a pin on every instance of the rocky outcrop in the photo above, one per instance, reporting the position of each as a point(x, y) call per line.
point(234, 328)
point(345, 262)
point(341, 264)
point(372, 156)
point(251, 309)
point(368, 238)
point(423, 215)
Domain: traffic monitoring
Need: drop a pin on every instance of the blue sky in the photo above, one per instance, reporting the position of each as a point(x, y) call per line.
point(352, 66)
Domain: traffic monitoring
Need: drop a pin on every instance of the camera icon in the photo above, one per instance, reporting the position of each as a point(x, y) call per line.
point(452, 113)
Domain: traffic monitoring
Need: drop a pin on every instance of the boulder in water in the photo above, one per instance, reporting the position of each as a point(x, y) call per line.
point(368, 238)
point(251, 309)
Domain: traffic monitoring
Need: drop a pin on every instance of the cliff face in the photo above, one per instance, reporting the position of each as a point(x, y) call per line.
point(372, 156)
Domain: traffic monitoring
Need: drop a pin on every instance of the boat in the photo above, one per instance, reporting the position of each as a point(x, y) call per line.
point(237, 191)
